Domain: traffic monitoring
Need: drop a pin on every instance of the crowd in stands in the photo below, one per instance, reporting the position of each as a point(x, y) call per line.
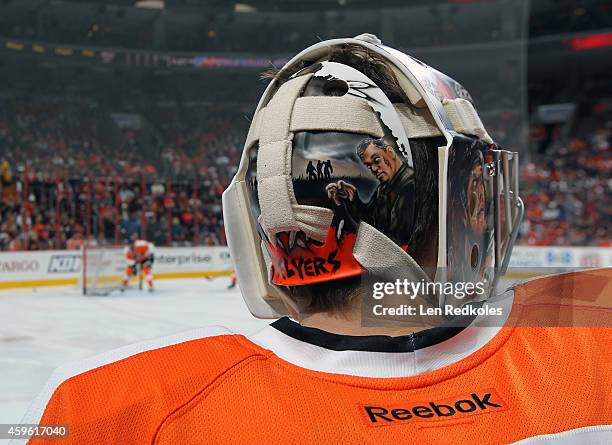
point(567, 189)
point(64, 179)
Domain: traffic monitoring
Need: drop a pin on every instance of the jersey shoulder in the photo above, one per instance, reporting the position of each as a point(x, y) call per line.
point(563, 324)
point(135, 387)
point(595, 281)
point(573, 299)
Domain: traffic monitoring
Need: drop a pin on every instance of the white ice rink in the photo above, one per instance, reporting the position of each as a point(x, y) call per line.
point(43, 328)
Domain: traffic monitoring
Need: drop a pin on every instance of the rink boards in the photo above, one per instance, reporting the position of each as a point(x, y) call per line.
point(63, 267)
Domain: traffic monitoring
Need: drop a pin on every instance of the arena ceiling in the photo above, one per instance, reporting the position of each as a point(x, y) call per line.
point(224, 5)
point(581, 14)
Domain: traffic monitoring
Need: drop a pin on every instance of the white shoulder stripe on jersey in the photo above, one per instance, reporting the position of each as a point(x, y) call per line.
point(65, 372)
point(588, 435)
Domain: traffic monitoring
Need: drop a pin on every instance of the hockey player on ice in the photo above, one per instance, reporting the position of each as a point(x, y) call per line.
point(233, 281)
point(139, 258)
point(330, 370)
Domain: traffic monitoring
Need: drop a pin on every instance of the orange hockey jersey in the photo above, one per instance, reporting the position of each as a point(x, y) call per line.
point(521, 383)
point(139, 252)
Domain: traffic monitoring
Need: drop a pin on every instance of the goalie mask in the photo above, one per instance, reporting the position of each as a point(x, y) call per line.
point(326, 185)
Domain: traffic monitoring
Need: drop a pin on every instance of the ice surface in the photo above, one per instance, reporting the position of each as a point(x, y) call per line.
point(41, 329)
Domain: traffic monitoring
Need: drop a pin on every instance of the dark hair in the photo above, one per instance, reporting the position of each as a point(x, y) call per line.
point(358, 57)
point(333, 296)
point(425, 233)
point(365, 143)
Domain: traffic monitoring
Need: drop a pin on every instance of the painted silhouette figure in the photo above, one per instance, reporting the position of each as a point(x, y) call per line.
point(311, 171)
point(328, 169)
point(320, 169)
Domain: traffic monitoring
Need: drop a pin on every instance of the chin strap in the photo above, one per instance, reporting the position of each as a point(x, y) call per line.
point(465, 119)
point(386, 261)
point(419, 122)
point(274, 127)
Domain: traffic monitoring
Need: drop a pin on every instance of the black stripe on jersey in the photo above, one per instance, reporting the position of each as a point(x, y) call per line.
point(372, 343)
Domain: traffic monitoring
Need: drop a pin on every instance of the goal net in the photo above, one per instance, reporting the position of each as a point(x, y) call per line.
point(102, 269)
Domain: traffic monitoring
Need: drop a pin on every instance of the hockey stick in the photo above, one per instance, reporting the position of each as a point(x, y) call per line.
point(139, 276)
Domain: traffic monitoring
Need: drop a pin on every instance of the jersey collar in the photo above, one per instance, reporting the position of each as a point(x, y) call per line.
point(368, 343)
point(378, 355)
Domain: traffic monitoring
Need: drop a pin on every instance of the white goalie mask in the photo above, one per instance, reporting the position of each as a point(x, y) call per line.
point(325, 187)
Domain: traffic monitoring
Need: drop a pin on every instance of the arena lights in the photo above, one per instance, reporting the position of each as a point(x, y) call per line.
point(244, 8)
point(150, 4)
point(601, 40)
point(140, 58)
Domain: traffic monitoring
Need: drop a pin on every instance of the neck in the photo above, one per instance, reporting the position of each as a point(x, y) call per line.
point(350, 322)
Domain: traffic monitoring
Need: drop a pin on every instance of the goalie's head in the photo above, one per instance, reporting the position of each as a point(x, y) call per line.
point(361, 159)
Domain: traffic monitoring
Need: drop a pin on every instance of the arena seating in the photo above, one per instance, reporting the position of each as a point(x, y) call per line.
point(62, 181)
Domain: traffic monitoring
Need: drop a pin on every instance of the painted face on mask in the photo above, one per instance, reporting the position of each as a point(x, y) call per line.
point(382, 163)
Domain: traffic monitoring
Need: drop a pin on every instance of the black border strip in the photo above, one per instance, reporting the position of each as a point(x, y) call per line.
point(371, 343)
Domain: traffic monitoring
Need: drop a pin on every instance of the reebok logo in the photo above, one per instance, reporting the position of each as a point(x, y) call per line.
point(457, 407)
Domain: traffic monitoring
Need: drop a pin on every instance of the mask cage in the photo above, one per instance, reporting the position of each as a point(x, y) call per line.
point(503, 172)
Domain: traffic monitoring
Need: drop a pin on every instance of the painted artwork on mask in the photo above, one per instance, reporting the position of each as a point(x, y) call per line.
point(470, 213)
point(358, 177)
